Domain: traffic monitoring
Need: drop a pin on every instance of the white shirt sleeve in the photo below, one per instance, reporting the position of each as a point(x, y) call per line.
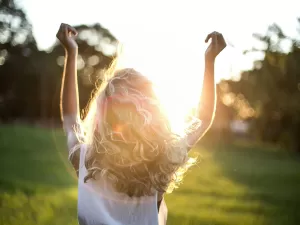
point(71, 126)
point(163, 213)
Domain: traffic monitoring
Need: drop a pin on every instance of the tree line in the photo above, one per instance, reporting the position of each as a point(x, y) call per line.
point(268, 96)
point(270, 92)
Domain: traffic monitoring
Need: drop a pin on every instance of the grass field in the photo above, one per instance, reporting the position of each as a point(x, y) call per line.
point(233, 185)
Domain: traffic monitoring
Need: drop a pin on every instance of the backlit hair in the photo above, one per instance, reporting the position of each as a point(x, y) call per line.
point(129, 139)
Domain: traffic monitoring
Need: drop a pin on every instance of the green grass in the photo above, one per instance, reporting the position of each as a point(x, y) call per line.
point(231, 185)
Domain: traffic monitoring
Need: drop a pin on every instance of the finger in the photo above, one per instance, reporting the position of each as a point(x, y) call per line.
point(72, 30)
point(65, 31)
point(222, 41)
point(60, 30)
point(220, 38)
point(212, 36)
point(208, 37)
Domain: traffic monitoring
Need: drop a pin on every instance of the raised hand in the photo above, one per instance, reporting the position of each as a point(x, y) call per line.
point(216, 46)
point(66, 35)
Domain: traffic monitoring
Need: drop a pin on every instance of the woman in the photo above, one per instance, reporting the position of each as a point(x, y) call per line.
point(124, 152)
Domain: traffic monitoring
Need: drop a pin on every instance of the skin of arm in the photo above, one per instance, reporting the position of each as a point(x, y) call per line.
point(207, 105)
point(69, 99)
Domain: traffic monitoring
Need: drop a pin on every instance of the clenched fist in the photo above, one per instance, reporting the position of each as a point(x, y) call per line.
point(66, 35)
point(216, 46)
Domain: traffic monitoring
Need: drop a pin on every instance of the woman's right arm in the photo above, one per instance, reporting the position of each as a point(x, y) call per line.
point(69, 101)
point(208, 97)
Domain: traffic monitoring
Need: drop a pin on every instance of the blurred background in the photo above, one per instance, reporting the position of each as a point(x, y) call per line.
point(249, 166)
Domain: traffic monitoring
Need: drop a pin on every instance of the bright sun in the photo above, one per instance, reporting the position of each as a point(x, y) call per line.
point(177, 80)
point(175, 109)
point(177, 89)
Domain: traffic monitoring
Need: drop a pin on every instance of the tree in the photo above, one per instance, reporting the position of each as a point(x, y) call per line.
point(14, 26)
point(30, 79)
point(271, 89)
point(16, 44)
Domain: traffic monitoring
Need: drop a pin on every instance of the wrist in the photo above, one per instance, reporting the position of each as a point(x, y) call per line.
point(209, 61)
point(72, 52)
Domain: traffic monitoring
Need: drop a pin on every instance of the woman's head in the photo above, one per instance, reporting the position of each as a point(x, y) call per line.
point(129, 138)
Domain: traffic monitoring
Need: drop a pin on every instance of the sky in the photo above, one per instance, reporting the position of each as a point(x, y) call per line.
point(172, 27)
point(164, 39)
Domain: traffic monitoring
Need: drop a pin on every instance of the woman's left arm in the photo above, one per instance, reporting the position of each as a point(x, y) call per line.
point(207, 106)
point(69, 100)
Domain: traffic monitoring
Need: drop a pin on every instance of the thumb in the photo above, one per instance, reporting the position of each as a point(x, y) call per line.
point(213, 36)
point(72, 30)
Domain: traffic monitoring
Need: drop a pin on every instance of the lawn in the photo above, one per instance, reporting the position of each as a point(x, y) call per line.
point(231, 185)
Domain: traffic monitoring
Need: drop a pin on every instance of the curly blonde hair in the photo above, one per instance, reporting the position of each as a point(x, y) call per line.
point(129, 139)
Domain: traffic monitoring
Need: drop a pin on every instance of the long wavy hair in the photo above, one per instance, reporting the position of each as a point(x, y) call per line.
point(129, 139)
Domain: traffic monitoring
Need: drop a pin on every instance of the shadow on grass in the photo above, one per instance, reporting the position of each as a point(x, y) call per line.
point(270, 177)
point(58, 208)
point(33, 160)
point(37, 184)
point(191, 220)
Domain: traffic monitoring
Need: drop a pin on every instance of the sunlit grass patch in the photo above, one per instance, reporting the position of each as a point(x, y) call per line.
point(230, 185)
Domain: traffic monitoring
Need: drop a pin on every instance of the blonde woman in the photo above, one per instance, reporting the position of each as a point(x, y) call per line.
point(124, 152)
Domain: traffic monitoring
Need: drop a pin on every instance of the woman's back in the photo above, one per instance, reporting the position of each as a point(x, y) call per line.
point(100, 204)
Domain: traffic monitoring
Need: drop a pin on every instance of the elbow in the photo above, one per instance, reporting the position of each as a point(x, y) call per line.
point(207, 123)
point(208, 115)
point(212, 117)
point(207, 120)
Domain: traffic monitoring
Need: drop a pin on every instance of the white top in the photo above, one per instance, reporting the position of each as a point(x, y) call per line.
point(100, 204)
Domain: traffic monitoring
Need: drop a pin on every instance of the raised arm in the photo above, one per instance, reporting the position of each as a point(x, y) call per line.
point(69, 90)
point(207, 104)
point(69, 101)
